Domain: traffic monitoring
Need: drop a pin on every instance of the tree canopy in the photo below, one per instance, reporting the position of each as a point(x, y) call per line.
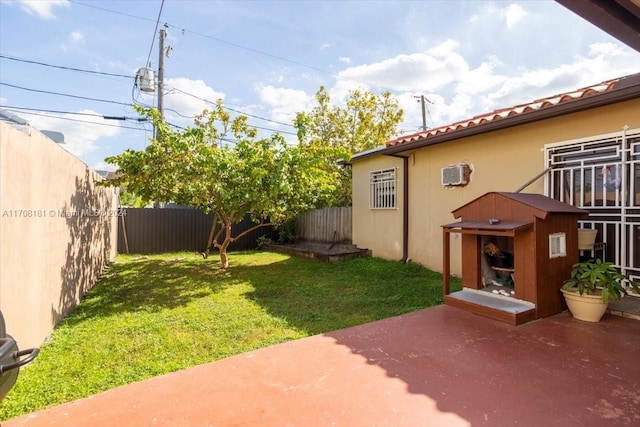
point(218, 165)
point(366, 121)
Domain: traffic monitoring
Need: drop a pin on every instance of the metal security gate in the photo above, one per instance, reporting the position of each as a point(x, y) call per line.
point(602, 175)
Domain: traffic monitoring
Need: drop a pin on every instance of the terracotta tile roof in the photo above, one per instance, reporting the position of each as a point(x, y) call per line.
point(503, 113)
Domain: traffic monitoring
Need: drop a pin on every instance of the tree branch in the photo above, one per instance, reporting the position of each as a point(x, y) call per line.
point(255, 227)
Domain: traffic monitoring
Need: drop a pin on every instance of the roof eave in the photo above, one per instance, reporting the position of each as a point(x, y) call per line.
point(624, 93)
point(619, 18)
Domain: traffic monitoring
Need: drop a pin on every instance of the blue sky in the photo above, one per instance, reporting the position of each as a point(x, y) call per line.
point(269, 58)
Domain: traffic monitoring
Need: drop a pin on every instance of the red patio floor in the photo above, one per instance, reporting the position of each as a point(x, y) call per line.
point(435, 367)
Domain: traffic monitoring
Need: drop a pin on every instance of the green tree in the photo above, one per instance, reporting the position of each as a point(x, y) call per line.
point(218, 165)
point(366, 121)
point(131, 200)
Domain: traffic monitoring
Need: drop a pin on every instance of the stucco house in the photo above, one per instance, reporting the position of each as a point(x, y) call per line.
point(581, 147)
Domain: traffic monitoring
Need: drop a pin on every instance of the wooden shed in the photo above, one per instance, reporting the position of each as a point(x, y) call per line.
point(538, 238)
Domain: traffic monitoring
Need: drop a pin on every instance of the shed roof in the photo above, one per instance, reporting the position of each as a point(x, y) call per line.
point(484, 227)
point(543, 205)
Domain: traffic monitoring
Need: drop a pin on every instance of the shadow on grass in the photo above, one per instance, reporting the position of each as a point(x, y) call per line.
point(317, 297)
point(149, 285)
point(309, 296)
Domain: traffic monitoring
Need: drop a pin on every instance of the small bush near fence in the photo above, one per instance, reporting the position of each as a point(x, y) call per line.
point(153, 231)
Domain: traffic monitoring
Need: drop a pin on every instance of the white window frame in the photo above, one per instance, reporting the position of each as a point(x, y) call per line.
point(557, 245)
point(383, 188)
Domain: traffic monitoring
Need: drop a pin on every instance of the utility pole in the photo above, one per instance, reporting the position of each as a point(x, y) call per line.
point(422, 99)
point(163, 36)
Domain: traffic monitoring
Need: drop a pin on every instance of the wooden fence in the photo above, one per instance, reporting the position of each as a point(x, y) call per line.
point(150, 231)
point(325, 225)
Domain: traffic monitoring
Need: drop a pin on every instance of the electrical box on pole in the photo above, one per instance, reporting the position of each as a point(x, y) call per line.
point(146, 80)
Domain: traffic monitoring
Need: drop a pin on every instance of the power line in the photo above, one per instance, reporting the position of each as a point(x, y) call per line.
point(153, 39)
point(29, 111)
point(236, 45)
point(66, 94)
point(126, 76)
point(123, 118)
point(122, 75)
point(270, 55)
point(111, 11)
point(77, 120)
point(231, 109)
point(122, 103)
point(168, 109)
point(18, 110)
point(275, 130)
point(280, 58)
point(13, 58)
point(38, 112)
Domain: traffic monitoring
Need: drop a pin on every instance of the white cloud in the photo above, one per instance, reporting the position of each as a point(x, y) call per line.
point(481, 78)
point(459, 91)
point(599, 49)
point(444, 48)
point(513, 14)
point(187, 97)
point(76, 37)
point(604, 61)
point(488, 10)
point(345, 59)
point(424, 71)
point(80, 138)
point(104, 166)
point(324, 46)
point(122, 67)
point(284, 102)
point(42, 8)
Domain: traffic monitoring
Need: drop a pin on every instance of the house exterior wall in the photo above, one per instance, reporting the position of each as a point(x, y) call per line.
point(501, 160)
point(50, 254)
point(377, 229)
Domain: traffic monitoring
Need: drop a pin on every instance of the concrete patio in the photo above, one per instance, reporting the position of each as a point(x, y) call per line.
point(435, 367)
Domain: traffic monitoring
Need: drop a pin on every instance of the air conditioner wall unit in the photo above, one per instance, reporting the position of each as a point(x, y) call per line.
point(455, 175)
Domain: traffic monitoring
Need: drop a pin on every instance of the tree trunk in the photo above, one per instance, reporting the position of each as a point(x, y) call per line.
point(224, 261)
point(210, 240)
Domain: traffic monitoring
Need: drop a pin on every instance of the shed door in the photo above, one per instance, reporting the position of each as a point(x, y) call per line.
point(602, 175)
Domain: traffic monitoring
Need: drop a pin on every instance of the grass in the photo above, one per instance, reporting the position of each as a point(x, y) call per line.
point(150, 316)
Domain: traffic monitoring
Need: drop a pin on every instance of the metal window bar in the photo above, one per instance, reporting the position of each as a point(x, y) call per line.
point(579, 177)
point(382, 193)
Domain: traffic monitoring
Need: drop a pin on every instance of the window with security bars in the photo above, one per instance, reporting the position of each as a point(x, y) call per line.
point(382, 193)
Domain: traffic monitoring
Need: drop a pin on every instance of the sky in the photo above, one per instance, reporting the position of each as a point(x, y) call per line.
point(267, 59)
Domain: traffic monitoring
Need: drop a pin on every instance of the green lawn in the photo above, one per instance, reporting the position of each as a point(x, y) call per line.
point(150, 316)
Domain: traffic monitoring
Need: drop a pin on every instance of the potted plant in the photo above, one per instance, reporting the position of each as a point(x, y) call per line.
point(591, 285)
